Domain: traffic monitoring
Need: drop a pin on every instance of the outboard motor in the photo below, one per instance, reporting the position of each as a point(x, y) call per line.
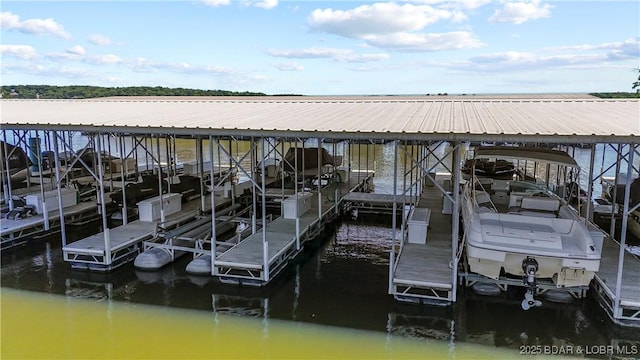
point(530, 267)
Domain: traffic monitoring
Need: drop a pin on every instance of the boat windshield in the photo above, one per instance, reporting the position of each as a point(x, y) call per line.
point(529, 187)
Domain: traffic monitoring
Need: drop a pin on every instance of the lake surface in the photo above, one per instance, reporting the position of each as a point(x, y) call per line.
point(342, 285)
point(333, 303)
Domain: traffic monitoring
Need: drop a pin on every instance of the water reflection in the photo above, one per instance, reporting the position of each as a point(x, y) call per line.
point(343, 283)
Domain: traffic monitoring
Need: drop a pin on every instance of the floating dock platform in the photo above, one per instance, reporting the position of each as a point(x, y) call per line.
point(126, 241)
point(244, 263)
point(627, 312)
point(18, 232)
point(422, 272)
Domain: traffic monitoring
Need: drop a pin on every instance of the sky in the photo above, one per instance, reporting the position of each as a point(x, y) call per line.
point(325, 47)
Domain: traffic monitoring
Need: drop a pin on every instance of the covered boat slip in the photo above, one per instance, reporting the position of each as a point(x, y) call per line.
point(608, 282)
point(423, 271)
point(244, 263)
point(108, 250)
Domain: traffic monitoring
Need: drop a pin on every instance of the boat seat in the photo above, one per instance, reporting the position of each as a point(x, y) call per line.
point(539, 206)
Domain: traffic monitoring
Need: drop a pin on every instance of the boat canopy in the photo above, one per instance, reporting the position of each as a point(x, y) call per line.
point(526, 153)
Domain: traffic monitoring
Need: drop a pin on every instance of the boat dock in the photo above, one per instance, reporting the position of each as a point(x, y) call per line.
point(415, 138)
point(605, 285)
point(282, 239)
point(422, 272)
point(18, 232)
point(125, 242)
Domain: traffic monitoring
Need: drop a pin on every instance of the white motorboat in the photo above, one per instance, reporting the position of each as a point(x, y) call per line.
point(523, 229)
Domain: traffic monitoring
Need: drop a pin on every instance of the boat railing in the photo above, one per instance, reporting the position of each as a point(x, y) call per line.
point(486, 197)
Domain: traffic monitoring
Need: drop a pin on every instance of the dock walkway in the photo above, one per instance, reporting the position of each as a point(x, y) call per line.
point(244, 263)
point(422, 272)
point(605, 284)
point(17, 232)
point(126, 241)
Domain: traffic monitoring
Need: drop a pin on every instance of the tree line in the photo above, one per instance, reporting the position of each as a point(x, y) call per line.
point(85, 92)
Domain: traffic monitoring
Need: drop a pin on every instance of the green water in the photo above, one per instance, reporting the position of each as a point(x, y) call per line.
point(48, 326)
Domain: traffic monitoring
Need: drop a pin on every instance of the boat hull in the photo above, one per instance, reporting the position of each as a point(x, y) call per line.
point(564, 272)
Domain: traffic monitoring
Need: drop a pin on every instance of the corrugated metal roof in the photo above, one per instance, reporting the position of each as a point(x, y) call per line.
point(418, 118)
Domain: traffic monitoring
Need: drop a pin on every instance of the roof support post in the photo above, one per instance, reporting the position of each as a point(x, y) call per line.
point(265, 241)
point(45, 209)
point(392, 253)
point(103, 208)
point(592, 158)
point(124, 171)
point(319, 181)
point(162, 217)
point(56, 158)
point(612, 229)
point(252, 160)
point(295, 189)
point(6, 185)
point(214, 270)
point(455, 219)
point(200, 170)
point(623, 235)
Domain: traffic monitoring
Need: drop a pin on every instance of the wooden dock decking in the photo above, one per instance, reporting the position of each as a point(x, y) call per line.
point(605, 284)
point(423, 272)
point(126, 241)
point(244, 263)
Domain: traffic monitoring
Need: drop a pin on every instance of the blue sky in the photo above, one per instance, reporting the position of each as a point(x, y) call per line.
point(325, 47)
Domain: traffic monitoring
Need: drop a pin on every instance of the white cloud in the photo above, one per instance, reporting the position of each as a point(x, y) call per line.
point(55, 56)
point(141, 64)
point(379, 18)
point(73, 72)
point(412, 42)
point(339, 55)
point(100, 40)
point(24, 52)
point(527, 61)
point(264, 4)
point(76, 50)
point(9, 21)
point(290, 66)
point(22, 67)
point(520, 12)
point(396, 27)
point(78, 53)
point(216, 3)
point(454, 4)
point(103, 59)
point(309, 53)
point(364, 58)
point(629, 47)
